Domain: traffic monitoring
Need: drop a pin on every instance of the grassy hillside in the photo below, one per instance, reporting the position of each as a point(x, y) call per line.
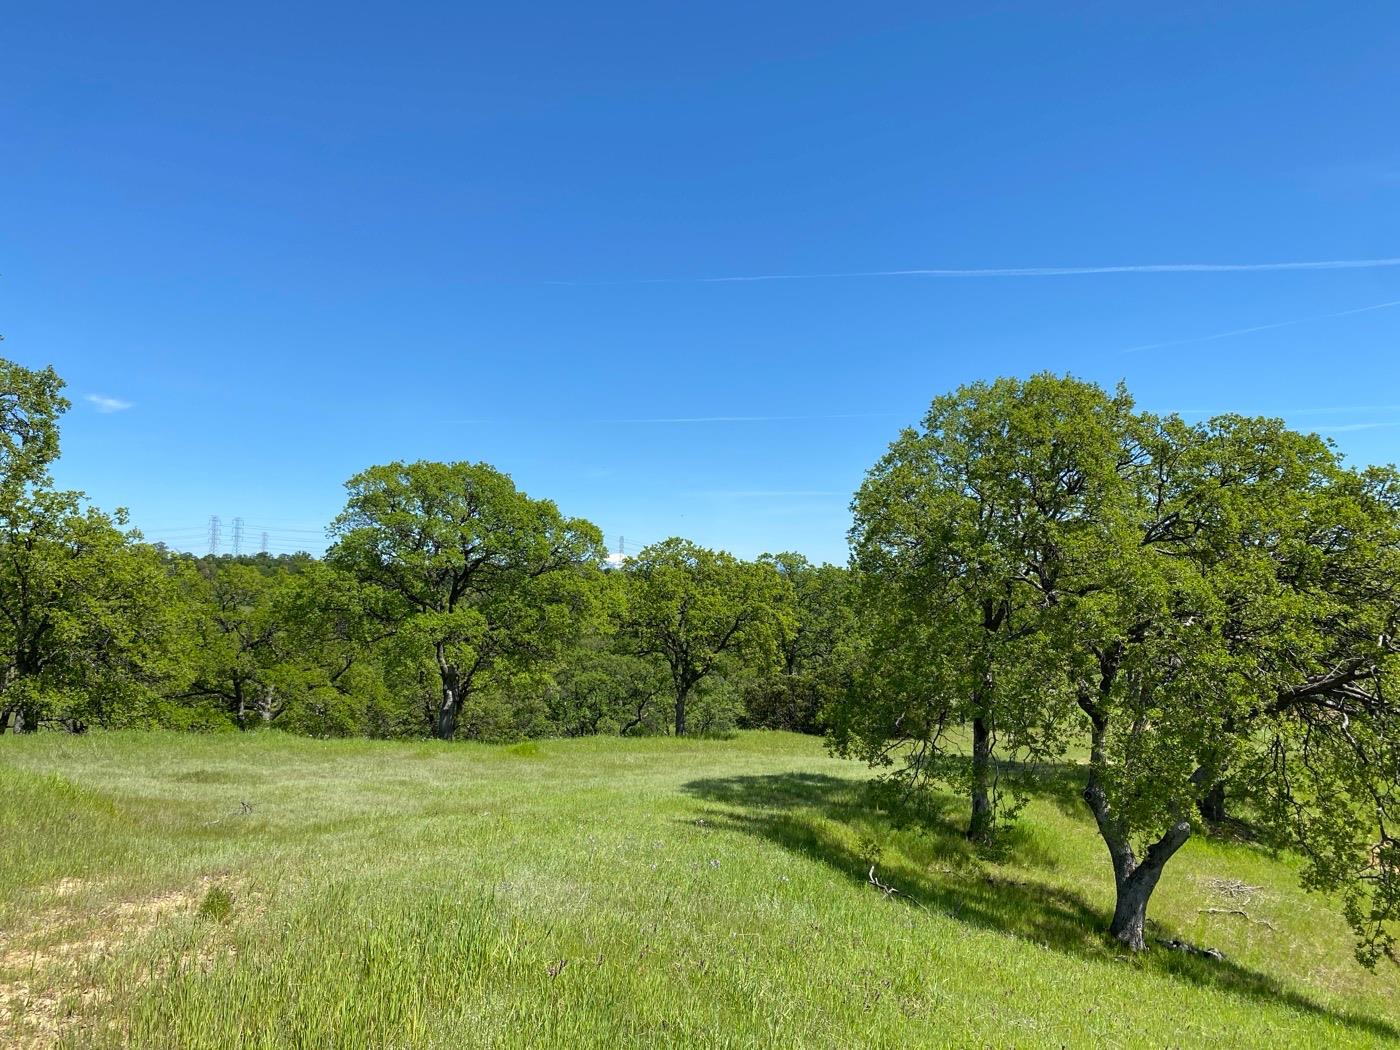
point(602, 893)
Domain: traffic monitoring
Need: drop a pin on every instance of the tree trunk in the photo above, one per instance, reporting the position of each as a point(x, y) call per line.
point(1212, 804)
point(1130, 904)
point(1133, 880)
point(450, 706)
point(448, 709)
point(5, 717)
point(979, 827)
point(681, 696)
point(1134, 883)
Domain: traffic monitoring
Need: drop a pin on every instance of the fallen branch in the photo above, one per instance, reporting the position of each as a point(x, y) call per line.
point(1190, 949)
point(244, 809)
point(890, 891)
point(1238, 911)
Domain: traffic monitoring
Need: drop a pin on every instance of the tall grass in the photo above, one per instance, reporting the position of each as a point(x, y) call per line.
point(604, 893)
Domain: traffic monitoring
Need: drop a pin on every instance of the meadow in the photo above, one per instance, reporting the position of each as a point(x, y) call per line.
point(264, 890)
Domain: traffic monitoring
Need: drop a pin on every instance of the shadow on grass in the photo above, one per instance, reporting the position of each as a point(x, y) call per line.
point(797, 810)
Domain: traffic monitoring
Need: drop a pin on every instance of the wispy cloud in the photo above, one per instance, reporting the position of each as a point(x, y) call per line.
point(106, 405)
point(1261, 327)
point(1025, 271)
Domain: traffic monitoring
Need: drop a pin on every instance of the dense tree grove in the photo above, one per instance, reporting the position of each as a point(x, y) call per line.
point(448, 604)
point(1199, 621)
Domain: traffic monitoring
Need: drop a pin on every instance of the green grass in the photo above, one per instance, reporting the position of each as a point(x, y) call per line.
point(605, 893)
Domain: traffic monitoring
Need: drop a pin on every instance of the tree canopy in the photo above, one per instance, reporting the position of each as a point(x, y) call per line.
point(1217, 602)
point(469, 571)
point(694, 608)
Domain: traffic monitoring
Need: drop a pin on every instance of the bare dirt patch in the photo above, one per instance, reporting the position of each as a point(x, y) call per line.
point(43, 993)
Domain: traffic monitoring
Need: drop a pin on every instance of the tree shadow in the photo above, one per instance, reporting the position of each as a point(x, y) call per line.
point(948, 877)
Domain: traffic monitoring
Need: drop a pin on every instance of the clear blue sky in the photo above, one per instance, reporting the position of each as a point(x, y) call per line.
point(299, 239)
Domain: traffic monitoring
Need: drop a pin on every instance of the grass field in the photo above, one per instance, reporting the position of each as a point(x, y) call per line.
point(604, 893)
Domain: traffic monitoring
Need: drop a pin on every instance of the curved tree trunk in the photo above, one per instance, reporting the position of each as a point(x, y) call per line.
point(1133, 892)
point(1133, 880)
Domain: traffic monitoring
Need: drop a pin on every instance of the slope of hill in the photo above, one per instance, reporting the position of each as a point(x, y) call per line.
point(266, 891)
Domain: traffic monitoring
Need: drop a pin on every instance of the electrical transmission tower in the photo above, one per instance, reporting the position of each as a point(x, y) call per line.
point(213, 534)
point(237, 536)
point(264, 543)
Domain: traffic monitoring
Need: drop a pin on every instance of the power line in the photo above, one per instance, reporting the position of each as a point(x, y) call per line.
point(213, 534)
point(237, 536)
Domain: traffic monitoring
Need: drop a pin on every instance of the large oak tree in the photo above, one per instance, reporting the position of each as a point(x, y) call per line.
point(966, 534)
point(470, 572)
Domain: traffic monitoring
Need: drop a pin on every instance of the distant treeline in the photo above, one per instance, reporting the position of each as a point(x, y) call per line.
point(449, 603)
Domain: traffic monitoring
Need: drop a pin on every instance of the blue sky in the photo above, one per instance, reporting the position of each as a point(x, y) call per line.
point(289, 241)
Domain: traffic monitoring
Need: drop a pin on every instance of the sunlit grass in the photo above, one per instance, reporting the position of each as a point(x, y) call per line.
point(265, 891)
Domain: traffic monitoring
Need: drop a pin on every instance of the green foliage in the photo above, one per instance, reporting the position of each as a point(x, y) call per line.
point(289, 645)
point(603, 691)
point(695, 609)
point(966, 535)
point(88, 619)
point(31, 403)
point(1216, 602)
point(466, 571)
point(816, 646)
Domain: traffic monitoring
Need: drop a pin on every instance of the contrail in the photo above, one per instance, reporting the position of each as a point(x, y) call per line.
point(745, 419)
point(649, 420)
point(1026, 271)
point(1343, 427)
point(1261, 327)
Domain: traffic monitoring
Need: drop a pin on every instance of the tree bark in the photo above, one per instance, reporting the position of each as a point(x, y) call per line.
point(450, 705)
point(1133, 880)
point(1133, 891)
point(682, 695)
point(979, 827)
point(446, 725)
point(448, 709)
